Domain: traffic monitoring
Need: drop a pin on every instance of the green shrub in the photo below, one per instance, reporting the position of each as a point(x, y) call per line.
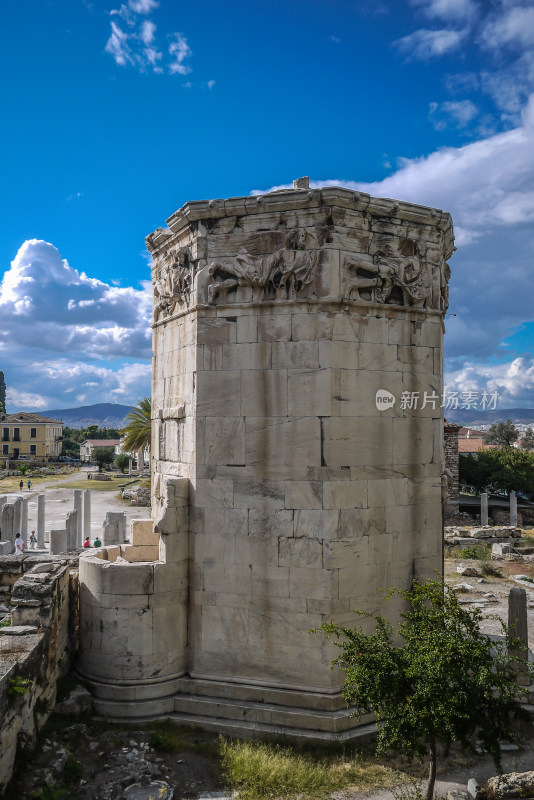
point(17, 688)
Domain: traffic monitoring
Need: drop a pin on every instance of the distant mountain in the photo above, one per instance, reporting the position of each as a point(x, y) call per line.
point(473, 418)
point(105, 415)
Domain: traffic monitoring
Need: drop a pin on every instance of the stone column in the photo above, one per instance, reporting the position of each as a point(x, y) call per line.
point(24, 521)
point(140, 460)
point(7, 519)
point(40, 521)
point(518, 630)
point(72, 530)
point(513, 509)
point(86, 514)
point(3, 501)
point(78, 498)
point(484, 508)
point(17, 516)
point(130, 467)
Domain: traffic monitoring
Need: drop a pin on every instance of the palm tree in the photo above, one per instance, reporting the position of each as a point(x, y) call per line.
point(137, 430)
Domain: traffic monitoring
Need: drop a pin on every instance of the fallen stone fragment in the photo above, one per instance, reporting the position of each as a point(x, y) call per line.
point(513, 784)
point(468, 571)
point(78, 702)
point(473, 788)
point(463, 587)
point(18, 630)
point(155, 789)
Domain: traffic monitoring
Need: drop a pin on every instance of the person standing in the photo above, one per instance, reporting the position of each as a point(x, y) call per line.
point(33, 540)
point(21, 485)
point(19, 546)
point(97, 542)
point(29, 484)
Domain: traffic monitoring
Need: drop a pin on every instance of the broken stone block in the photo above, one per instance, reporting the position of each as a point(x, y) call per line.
point(467, 570)
point(511, 785)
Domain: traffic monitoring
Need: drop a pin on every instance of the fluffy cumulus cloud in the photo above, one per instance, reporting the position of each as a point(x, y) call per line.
point(458, 114)
point(69, 334)
point(513, 381)
point(447, 10)
point(503, 33)
point(425, 44)
point(487, 186)
point(133, 41)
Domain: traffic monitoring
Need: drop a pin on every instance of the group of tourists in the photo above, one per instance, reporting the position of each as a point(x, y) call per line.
point(20, 545)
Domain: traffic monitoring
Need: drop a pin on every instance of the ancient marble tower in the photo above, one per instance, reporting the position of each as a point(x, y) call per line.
point(297, 442)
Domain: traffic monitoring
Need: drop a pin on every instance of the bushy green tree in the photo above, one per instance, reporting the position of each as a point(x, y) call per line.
point(137, 431)
point(507, 469)
point(122, 461)
point(444, 682)
point(502, 433)
point(103, 456)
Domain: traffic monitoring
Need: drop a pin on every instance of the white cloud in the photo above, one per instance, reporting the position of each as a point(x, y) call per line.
point(148, 29)
point(179, 50)
point(448, 10)
point(117, 46)
point(211, 84)
point(460, 113)
point(56, 320)
point(426, 44)
point(133, 41)
point(63, 384)
point(143, 6)
point(513, 381)
point(514, 27)
point(487, 186)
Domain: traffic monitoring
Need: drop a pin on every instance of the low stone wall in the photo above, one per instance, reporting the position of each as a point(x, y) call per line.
point(132, 626)
point(35, 650)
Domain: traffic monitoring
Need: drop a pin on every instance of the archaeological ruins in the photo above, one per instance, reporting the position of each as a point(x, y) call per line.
point(291, 480)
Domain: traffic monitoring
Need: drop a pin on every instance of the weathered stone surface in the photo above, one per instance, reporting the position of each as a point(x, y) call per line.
point(512, 784)
point(276, 322)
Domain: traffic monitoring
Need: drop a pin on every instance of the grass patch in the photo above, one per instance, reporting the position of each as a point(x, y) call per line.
point(259, 770)
point(98, 486)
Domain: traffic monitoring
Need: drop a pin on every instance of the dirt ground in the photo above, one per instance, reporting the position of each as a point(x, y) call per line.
point(490, 593)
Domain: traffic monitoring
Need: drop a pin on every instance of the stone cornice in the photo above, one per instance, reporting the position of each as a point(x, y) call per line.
point(293, 199)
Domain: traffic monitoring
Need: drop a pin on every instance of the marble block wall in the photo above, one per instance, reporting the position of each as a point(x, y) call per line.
point(277, 320)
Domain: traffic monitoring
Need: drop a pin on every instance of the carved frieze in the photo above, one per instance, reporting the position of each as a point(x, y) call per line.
point(281, 274)
point(397, 271)
point(247, 251)
point(173, 283)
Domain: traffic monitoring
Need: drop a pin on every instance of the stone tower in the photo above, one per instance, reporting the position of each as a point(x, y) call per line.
point(297, 386)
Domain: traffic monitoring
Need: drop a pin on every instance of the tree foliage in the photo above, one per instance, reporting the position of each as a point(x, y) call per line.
point(509, 469)
point(103, 456)
point(122, 461)
point(527, 442)
point(137, 431)
point(445, 682)
point(502, 433)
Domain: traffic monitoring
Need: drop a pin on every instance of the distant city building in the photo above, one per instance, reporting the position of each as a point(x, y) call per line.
point(89, 446)
point(26, 435)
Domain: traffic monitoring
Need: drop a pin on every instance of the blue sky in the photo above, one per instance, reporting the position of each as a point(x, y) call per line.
point(115, 114)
